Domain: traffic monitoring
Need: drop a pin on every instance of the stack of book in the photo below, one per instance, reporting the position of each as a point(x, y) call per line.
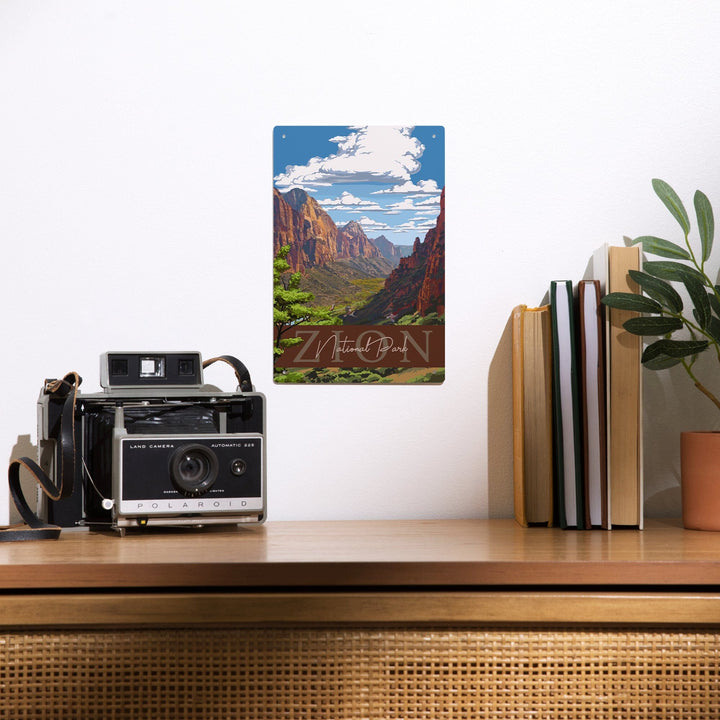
point(577, 403)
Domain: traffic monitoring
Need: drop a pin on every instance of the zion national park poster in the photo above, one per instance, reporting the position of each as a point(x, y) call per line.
point(359, 254)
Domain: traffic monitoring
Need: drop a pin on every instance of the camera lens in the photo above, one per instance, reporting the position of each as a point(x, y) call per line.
point(193, 469)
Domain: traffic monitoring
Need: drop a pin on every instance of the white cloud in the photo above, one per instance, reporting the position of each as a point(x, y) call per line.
point(376, 153)
point(410, 204)
point(406, 204)
point(368, 224)
point(422, 187)
point(306, 188)
point(417, 224)
point(433, 202)
point(349, 202)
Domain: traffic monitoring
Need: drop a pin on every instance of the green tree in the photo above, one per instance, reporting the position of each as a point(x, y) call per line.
point(291, 305)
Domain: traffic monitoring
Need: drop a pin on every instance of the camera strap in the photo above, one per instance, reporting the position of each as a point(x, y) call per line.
point(241, 372)
point(34, 528)
point(66, 390)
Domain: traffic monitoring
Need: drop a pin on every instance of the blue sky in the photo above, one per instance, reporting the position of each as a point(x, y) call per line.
point(387, 178)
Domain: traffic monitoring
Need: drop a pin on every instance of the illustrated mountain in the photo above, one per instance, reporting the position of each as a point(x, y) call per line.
point(344, 266)
point(313, 237)
point(417, 285)
point(391, 252)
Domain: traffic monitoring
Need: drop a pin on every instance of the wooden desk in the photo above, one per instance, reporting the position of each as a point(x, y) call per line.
point(402, 619)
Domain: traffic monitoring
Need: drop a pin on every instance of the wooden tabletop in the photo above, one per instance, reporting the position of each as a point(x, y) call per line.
point(382, 554)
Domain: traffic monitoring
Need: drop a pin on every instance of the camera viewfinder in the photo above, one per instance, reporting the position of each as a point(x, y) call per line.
point(153, 367)
point(119, 367)
point(186, 367)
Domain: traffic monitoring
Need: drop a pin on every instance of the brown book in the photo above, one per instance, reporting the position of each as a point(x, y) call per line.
point(624, 395)
point(532, 415)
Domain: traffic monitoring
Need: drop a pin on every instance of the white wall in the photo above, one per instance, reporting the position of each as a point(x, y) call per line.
point(135, 210)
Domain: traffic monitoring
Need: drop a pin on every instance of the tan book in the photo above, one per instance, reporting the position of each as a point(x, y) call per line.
point(624, 396)
point(532, 415)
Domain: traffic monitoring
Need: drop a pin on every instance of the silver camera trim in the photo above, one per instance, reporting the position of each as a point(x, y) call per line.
point(110, 386)
point(228, 507)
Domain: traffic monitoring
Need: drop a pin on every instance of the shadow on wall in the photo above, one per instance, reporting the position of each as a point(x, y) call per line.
point(24, 448)
point(500, 451)
point(670, 406)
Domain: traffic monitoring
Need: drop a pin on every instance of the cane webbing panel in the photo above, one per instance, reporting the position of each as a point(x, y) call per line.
point(383, 673)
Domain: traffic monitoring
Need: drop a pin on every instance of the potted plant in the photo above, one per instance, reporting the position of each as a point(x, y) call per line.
point(665, 315)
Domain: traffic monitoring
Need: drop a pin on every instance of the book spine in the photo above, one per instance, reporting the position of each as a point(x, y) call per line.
point(625, 397)
point(518, 404)
point(567, 422)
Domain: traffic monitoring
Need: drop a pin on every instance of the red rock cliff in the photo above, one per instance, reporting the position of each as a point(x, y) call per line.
point(314, 239)
point(417, 284)
point(353, 242)
point(432, 292)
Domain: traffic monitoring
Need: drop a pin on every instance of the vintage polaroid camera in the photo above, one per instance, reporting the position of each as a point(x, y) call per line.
point(156, 447)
